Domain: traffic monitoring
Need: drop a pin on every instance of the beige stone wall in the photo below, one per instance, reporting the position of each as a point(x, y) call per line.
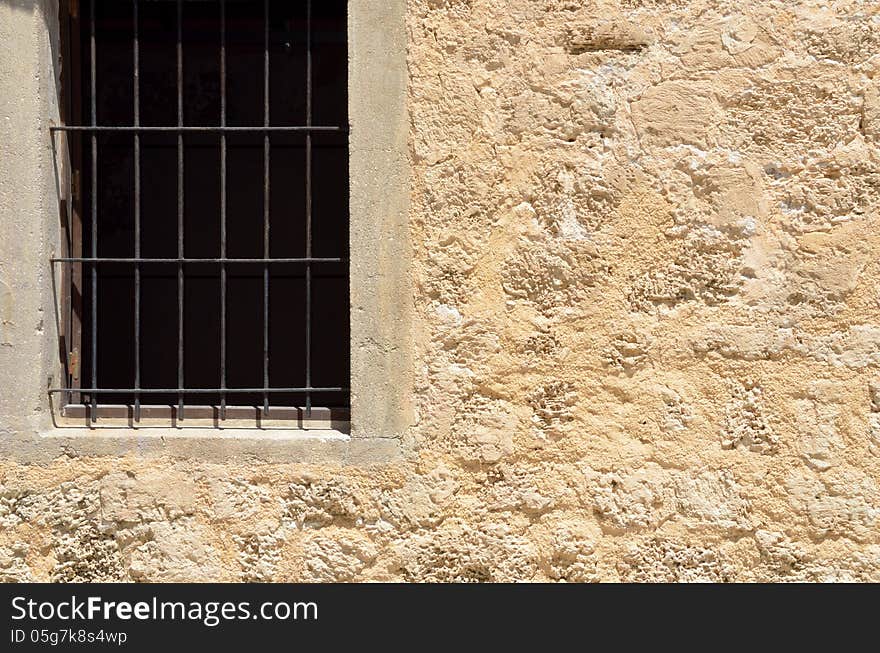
point(647, 324)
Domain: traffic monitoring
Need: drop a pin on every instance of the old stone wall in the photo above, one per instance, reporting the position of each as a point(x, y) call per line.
point(647, 322)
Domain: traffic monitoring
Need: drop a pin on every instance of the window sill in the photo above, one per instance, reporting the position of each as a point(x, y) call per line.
point(313, 446)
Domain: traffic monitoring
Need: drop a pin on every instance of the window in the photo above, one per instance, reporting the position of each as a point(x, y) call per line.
point(205, 252)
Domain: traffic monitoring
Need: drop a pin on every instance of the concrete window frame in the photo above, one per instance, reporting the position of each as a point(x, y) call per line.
point(380, 280)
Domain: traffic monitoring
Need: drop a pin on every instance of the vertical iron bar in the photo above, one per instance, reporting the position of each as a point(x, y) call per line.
point(180, 227)
point(266, 174)
point(79, 224)
point(222, 209)
point(94, 112)
point(67, 273)
point(137, 214)
point(308, 206)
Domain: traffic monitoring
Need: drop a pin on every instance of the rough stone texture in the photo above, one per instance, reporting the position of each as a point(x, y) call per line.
point(646, 324)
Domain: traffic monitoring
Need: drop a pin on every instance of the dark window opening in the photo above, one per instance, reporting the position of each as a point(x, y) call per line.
point(207, 248)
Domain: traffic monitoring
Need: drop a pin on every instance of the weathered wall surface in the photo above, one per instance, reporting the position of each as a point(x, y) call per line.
point(647, 318)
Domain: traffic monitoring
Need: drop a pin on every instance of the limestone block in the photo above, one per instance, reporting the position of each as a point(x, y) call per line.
point(676, 113)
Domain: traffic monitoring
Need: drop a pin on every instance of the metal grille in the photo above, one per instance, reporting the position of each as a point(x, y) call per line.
point(90, 264)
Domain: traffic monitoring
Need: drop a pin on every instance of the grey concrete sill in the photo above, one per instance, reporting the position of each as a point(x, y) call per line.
point(208, 445)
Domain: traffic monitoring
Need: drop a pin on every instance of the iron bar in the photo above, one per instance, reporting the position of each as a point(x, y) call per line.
point(308, 204)
point(197, 390)
point(266, 175)
point(80, 259)
point(113, 412)
point(223, 206)
point(197, 128)
point(137, 211)
point(180, 225)
point(94, 202)
point(72, 86)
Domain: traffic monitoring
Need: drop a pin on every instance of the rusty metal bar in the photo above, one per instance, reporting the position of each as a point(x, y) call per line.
point(197, 390)
point(202, 412)
point(266, 175)
point(198, 128)
point(223, 206)
point(308, 204)
point(80, 259)
point(136, 82)
point(180, 214)
point(94, 198)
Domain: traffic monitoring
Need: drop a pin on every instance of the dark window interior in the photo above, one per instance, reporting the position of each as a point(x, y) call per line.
point(116, 198)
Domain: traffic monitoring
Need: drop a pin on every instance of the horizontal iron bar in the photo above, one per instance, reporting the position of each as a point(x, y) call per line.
point(192, 390)
point(197, 260)
point(201, 411)
point(195, 128)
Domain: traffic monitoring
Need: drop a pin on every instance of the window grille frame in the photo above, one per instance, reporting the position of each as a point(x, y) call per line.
point(73, 262)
